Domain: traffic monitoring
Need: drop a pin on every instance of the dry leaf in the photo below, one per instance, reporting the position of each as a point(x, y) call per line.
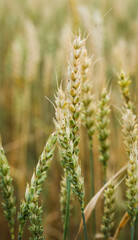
point(92, 203)
point(122, 223)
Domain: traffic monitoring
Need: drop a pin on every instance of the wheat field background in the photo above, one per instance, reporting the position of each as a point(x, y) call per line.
point(35, 43)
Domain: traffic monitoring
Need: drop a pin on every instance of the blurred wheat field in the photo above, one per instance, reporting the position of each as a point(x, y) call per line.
point(35, 45)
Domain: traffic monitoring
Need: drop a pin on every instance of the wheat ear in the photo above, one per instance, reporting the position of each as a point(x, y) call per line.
point(7, 191)
point(68, 124)
point(88, 101)
point(33, 191)
point(74, 106)
point(129, 129)
point(103, 129)
point(130, 134)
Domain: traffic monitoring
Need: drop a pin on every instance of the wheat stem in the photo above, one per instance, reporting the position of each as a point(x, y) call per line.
point(104, 175)
point(67, 210)
point(92, 187)
point(84, 224)
point(132, 231)
point(136, 229)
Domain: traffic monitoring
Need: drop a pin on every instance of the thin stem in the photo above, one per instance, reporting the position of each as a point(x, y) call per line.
point(92, 170)
point(92, 187)
point(84, 224)
point(68, 228)
point(136, 228)
point(104, 175)
point(132, 231)
point(67, 210)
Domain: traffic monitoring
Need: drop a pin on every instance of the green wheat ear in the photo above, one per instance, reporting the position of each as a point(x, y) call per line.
point(131, 183)
point(7, 191)
point(29, 207)
point(103, 129)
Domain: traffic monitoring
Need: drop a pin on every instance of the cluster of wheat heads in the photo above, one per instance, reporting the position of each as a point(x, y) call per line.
point(75, 105)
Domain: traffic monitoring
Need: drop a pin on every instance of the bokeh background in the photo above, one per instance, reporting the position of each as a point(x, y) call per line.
point(35, 42)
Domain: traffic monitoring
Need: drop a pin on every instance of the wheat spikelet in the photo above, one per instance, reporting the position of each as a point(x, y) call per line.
point(124, 83)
